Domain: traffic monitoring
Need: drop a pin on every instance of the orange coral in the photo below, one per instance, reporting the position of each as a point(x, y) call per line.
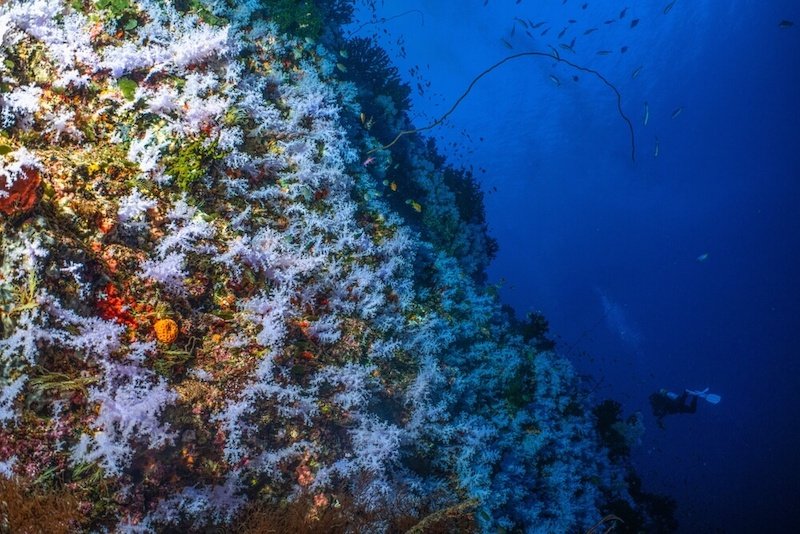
point(166, 330)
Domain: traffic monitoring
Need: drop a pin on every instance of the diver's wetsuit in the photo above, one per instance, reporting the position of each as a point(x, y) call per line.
point(665, 403)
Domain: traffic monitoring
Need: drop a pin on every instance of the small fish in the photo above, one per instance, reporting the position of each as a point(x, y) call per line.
point(344, 54)
point(655, 150)
point(393, 186)
point(603, 52)
point(610, 21)
point(590, 30)
point(341, 67)
point(519, 2)
point(668, 7)
point(575, 78)
point(521, 21)
point(529, 34)
point(545, 31)
point(622, 13)
point(416, 205)
point(507, 44)
point(538, 25)
point(555, 80)
point(702, 257)
point(567, 47)
point(363, 118)
point(513, 29)
point(572, 21)
point(561, 33)
point(635, 73)
point(572, 43)
point(785, 24)
point(555, 52)
point(485, 3)
point(646, 113)
point(584, 6)
point(623, 49)
point(369, 161)
point(677, 112)
point(634, 23)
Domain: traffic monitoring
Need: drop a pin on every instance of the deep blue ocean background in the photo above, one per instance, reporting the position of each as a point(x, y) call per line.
point(678, 270)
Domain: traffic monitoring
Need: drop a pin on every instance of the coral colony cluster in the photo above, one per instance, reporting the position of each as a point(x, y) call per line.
point(218, 299)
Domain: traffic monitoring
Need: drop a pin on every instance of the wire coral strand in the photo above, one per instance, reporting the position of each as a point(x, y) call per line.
point(475, 80)
point(383, 20)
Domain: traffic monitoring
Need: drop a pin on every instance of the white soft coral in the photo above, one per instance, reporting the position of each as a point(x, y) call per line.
point(130, 403)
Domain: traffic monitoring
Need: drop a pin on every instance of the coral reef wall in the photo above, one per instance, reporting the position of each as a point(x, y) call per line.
point(214, 296)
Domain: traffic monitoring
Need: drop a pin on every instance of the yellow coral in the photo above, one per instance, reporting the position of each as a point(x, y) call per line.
point(166, 330)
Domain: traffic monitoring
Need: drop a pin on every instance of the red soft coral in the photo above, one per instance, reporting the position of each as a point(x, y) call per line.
point(114, 307)
point(23, 195)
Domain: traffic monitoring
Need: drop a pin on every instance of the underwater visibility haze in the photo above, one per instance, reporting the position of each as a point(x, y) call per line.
point(678, 270)
point(399, 266)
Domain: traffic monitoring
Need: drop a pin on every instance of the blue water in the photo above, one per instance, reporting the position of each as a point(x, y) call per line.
point(611, 250)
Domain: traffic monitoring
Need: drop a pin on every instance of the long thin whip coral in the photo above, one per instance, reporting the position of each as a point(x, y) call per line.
point(383, 20)
point(554, 55)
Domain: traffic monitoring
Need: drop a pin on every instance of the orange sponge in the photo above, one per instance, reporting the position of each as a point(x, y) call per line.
point(166, 330)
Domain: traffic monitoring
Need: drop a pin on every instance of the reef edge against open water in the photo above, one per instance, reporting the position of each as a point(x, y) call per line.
point(221, 306)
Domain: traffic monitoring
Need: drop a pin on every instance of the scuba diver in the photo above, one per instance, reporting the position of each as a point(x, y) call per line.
point(666, 403)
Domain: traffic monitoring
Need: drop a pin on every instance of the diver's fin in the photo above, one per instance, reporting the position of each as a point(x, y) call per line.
point(713, 398)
